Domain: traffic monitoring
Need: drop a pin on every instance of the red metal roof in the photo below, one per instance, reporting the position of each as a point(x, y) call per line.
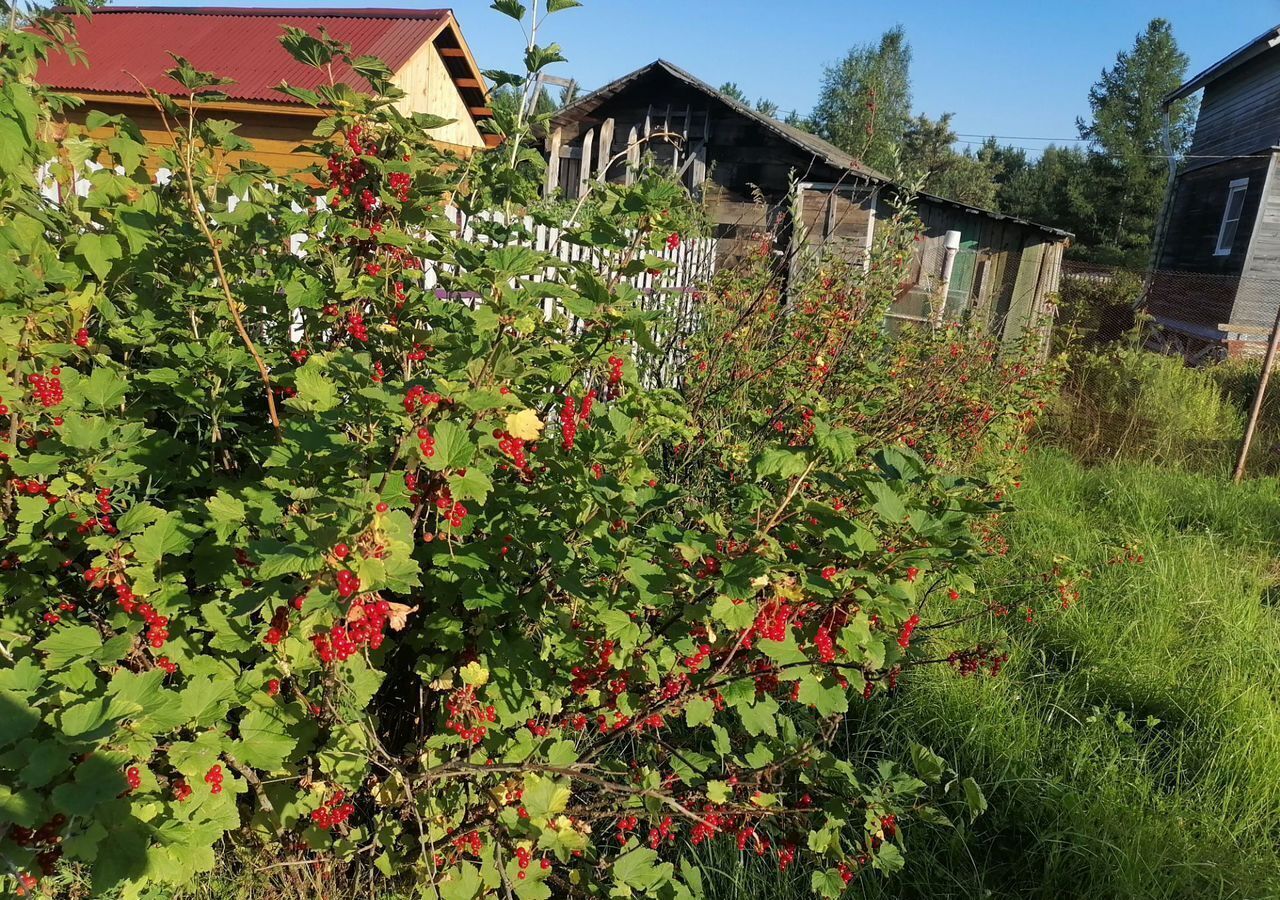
point(241, 43)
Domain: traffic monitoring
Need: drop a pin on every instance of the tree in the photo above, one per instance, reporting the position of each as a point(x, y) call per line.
point(928, 157)
point(1127, 151)
point(865, 103)
point(767, 107)
point(731, 90)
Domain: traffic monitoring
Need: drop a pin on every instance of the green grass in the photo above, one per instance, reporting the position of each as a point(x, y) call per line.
point(1132, 747)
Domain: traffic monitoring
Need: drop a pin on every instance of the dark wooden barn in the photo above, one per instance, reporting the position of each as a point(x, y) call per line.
point(763, 180)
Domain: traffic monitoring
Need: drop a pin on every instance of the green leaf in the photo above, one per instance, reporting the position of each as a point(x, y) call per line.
point(225, 509)
point(164, 537)
point(68, 645)
point(99, 251)
point(475, 485)
point(783, 463)
point(544, 797)
point(639, 869)
point(103, 388)
point(265, 741)
point(316, 391)
point(513, 8)
point(699, 711)
point(929, 765)
point(454, 448)
point(462, 882)
point(554, 6)
point(974, 799)
point(17, 718)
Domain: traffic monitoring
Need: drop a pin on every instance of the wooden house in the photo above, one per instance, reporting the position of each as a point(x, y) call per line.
point(1217, 257)
point(128, 48)
point(763, 180)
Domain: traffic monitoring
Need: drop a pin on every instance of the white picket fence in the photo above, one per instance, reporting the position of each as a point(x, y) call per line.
point(670, 290)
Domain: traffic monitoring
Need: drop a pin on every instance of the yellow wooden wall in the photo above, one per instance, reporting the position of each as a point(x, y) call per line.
point(430, 89)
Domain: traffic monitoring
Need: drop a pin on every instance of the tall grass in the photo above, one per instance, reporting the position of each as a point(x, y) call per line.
point(1132, 747)
point(1127, 403)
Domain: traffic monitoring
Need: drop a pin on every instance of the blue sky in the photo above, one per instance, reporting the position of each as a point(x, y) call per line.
point(1008, 67)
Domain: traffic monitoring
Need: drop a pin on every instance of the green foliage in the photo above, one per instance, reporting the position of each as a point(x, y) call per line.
point(1128, 165)
point(864, 105)
point(1129, 403)
point(927, 156)
point(1132, 749)
point(1093, 313)
point(336, 534)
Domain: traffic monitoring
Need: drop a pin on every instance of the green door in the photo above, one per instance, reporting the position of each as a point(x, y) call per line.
point(960, 292)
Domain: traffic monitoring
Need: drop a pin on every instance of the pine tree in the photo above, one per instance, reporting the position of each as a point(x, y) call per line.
point(1128, 163)
point(865, 103)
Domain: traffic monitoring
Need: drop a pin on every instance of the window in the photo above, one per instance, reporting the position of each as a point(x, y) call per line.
point(1231, 216)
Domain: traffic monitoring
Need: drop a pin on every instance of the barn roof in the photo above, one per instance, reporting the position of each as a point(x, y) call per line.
point(124, 45)
point(821, 149)
point(1268, 40)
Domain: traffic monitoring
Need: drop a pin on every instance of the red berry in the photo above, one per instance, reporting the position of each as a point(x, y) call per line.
point(342, 551)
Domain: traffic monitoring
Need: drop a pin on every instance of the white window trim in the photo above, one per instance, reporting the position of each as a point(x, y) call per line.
point(1239, 186)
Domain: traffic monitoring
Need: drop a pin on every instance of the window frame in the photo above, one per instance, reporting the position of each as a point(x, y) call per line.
point(1238, 186)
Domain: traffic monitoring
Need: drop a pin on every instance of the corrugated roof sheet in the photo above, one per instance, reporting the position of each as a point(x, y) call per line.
point(239, 43)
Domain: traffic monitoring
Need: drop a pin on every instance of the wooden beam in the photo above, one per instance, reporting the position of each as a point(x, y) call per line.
point(452, 52)
point(468, 82)
point(480, 112)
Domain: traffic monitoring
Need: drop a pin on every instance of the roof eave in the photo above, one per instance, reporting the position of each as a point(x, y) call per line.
point(1255, 48)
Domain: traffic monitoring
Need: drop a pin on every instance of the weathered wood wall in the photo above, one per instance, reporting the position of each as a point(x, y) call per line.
point(760, 186)
point(1240, 112)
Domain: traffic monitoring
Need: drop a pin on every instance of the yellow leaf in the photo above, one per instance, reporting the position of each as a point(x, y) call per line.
point(525, 425)
point(474, 674)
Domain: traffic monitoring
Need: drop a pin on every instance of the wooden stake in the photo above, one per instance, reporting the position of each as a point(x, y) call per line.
point(1256, 412)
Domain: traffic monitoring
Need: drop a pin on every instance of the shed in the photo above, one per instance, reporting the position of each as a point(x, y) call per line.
point(127, 48)
point(762, 179)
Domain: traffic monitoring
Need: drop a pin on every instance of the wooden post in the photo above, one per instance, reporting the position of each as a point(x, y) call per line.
point(606, 148)
point(633, 156)
point(553, 164)
point(1256, 411)
point(584, 171)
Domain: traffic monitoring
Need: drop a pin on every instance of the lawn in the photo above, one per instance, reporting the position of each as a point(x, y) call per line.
point(1131, 749)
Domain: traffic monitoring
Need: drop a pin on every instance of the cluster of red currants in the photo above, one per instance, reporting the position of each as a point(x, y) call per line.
point(417, 398)
point(456, 512)
point(333, 811)
point(213, 778)
point(348, 583)
point(615, 378)
point(514, 447)
point(48, 391)
point(568, 423)
point(400, 184)
point(467, 718)
point(908, 628)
